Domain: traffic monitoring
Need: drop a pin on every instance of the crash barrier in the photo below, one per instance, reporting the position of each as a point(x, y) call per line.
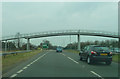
point(13, 53)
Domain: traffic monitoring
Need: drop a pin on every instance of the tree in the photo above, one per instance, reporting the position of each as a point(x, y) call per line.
point(10, 46)
point(108, 43)
point(24, 47)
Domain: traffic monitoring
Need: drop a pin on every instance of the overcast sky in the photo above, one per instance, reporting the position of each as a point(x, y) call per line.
point(29, 17)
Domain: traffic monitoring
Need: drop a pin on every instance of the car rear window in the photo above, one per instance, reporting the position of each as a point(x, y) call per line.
point(98, 48)
point(59, 48)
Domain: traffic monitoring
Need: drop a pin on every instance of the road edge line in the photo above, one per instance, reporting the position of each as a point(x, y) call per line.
point(96, 74)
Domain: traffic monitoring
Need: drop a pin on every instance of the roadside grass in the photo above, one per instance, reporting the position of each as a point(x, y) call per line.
point(115, 58)
point(11, 60)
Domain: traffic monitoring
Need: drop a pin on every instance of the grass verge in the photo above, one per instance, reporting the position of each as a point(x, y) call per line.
point(11, 60)
point(116, 58)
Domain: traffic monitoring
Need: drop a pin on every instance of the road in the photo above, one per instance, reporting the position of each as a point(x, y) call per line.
point(65, 64)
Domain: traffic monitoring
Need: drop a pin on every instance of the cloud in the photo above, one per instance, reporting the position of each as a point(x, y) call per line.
point(37, 17)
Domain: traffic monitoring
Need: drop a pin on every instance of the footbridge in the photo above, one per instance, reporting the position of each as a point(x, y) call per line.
point(77, 32)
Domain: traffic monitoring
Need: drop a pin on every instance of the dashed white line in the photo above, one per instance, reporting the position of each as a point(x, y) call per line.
point(28, 65)
point(25, 67)
point(36, 60)
point(31, 63)
point(70, 58)
point(41, 56)
point(19, 71)
point(14, 75)
point(96, 74)
point(73, 60)
point(63, 54)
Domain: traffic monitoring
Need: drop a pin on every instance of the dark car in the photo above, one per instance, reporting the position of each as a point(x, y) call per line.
point(58, 49)
point(95, 53)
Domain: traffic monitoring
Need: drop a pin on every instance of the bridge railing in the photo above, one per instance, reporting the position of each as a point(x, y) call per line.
point(63, 31)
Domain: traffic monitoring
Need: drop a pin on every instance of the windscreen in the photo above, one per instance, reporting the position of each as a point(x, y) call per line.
point(98, 48)
point(59, 48)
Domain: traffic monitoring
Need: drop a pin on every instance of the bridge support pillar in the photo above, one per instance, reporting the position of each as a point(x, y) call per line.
point(18, 43)
point(28, 43)
point(79, 42)
point(119, 42)
point(6, 45)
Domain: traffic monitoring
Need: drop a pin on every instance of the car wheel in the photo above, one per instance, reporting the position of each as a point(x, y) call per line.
point(108, 62)
point(80, 57)
point(89, 60)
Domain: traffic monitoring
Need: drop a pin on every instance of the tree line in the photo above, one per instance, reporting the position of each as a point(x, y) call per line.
point(12, 46)
point(107, 43)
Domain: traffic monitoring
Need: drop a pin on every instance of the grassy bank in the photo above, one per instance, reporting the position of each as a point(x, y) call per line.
point(115, 58)
point(11, 60)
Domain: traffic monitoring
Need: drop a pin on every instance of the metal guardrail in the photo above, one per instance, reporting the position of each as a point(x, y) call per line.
point(4, 54)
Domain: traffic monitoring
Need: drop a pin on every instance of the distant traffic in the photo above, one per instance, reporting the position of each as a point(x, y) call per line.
point(59, 49)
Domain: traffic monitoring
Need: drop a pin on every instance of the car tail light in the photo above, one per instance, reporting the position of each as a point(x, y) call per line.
point(93, 52)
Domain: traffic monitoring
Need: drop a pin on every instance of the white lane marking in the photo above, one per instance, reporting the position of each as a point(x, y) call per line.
point(14, 75)
point(31, 63)
point(36, 60)
point(96, 74)
point(63, 54)
point(28, 65)
point(19, 71)
point(25, 68)
point(73, 60)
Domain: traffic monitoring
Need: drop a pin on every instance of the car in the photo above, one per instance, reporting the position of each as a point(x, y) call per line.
point(96, 53)
point(58, 49)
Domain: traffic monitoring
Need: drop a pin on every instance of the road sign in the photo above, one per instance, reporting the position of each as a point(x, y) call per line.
point(45, 46)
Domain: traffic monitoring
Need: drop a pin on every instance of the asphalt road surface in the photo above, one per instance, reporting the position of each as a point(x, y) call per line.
point(65, 64)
